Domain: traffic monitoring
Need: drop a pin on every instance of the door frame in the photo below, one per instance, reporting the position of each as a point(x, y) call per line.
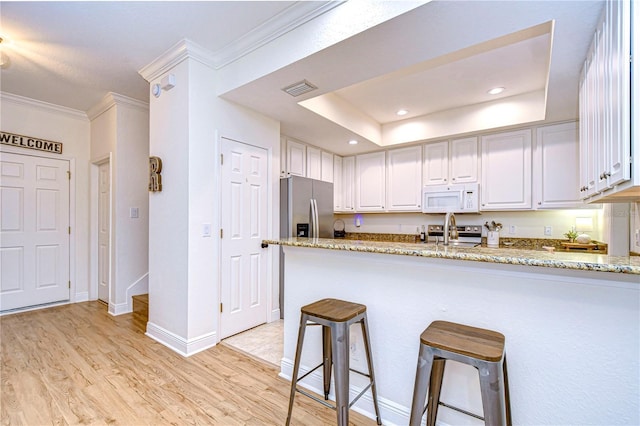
point(93, 224)
point(270, 230)
point(73, 296)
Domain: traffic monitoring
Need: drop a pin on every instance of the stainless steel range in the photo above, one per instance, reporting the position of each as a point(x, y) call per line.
point(468, 235)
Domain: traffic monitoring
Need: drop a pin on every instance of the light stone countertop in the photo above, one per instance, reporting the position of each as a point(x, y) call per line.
point(562, 260)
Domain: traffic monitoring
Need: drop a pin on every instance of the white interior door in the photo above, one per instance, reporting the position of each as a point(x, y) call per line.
point(104, 231)
point(34, 229)
point(244, 224)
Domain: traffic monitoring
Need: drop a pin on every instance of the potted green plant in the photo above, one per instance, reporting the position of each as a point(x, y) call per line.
point(571, 235)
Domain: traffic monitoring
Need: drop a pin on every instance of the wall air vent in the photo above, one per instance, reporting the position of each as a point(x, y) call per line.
point(299, 88)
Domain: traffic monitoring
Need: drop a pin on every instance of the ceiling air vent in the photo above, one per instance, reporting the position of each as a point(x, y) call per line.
point(299, 88)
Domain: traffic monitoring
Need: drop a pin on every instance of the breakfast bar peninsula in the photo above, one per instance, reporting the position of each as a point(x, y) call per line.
point(571, 321)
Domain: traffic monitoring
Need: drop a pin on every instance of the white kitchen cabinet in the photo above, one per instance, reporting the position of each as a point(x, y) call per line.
point(555, 167)
point(404, 171)
point(506, 171)
point(370, 182)
point(436, 163)
point(453, 161)
point(605, 106)
point(463, 160)
point(338, 195)
point(326, 166)
point(349, 184)
point(296, 159)
point(314, 163)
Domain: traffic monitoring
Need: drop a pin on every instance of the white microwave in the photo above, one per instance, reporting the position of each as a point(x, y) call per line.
point(457, 198)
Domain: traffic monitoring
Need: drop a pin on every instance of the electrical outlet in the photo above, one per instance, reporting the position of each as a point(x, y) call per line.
point(512, 229)
point(548, 230)
point(638, 237)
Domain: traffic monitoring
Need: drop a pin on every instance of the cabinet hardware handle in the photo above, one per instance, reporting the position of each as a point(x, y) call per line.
point(607, 174)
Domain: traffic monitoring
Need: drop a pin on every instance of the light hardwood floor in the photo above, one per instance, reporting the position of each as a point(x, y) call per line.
point(76, 364)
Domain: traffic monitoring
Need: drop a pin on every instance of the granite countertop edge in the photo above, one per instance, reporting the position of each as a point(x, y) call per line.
point(561, 260)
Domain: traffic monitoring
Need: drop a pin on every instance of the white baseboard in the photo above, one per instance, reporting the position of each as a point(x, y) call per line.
point(391, 412)
point(81, 297)
point(178, 344)
point(275, 315)
point(119, 308)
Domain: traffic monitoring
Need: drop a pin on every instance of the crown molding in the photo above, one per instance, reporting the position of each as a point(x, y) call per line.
point(112, 99)
point(177, 53)
point(290, 18)
point(45, 106)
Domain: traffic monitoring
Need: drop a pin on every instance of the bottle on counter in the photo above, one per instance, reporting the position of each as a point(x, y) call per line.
point(423, 235)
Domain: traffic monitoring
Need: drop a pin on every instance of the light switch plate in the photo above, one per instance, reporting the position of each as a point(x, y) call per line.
point(134, 213)
point(548, 230)
point(206, 229)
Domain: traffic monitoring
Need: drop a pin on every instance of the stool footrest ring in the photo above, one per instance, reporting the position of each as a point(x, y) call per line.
point(460, 410)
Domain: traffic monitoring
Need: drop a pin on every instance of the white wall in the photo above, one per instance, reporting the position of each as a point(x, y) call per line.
point(120, 128)
point(634, 240)
point(71, 127)
point(528, 224)
point(187, 124)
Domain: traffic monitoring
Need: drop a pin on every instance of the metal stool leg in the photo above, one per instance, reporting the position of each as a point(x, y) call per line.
point(327, 360)
point(435, 386)
point(492, 389)
point(296, 364)
point(340, 349)
point(365, 337)
point(507, 399)
point(423, 374)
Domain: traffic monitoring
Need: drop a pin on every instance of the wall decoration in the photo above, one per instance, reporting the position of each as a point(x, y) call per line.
point(31, 143)
point(155, 180)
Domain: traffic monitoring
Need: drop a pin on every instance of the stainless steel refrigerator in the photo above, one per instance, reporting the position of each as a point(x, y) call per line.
point(306, 210)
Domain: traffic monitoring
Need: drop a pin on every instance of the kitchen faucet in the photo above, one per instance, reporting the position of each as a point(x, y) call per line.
point(449, 221)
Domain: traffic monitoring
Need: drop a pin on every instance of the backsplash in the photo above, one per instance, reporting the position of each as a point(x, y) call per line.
point(529, 224)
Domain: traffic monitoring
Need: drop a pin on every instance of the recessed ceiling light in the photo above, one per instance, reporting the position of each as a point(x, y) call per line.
point(496, 90)
point(353, 142)
point(402, 112)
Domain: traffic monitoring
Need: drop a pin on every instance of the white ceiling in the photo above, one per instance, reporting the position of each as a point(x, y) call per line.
point(73, 53)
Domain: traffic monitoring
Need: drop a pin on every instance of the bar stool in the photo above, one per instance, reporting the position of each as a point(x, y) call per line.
point(483, 349)
point(335, 316)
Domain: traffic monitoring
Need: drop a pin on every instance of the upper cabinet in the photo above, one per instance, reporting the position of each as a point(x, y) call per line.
point(449, 162)
point(296, 159)
point(338, 197)
point(299, 159)
point(404, 170)
point(555, 167)
point(506, 171)
point(349, 184)
point(314, 163)
point(605, 109)
point(326, 166)
point(370, 182)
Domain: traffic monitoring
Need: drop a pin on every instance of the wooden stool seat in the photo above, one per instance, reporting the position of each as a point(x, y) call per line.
point(477, 347)
point(479, 343)
point(334, 310)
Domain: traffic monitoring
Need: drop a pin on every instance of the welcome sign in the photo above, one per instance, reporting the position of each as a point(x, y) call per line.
point(31, 143)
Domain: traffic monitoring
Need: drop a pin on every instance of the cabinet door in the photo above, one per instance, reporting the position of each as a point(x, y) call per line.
point(464, 160)
point(556, 173)
point(617, 33)
point(404, 171)
point(326, 166)
point(436, 163)
point(349, 184)
point(337, 184)
point(296, 159)
point(283, 158)
point(506, 171)
point(314, 163)
point(370, 178)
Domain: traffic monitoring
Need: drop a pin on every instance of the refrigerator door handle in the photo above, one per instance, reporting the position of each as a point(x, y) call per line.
point(315, 228)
